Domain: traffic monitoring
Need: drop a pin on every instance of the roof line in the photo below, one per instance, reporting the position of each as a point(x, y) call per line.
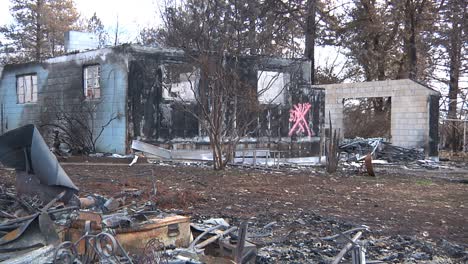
point(424, 85)
point(388, 80)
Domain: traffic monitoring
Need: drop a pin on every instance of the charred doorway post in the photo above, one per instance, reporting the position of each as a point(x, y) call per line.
point(433, 141)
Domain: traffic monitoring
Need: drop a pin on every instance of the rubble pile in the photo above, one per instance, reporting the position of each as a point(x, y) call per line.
point(140, 233)
point(43, 219)
point(314, 239)
point(399, 154)
point(358, 148)
point(105, 231)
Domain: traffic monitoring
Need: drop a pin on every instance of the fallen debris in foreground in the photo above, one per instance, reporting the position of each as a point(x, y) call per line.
point(315, 239)
point(128, 228)
point(38, 171)
point(133, 233)
point(310, 238)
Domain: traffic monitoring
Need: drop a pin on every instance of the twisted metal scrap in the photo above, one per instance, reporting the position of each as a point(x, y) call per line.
point(65, 253)
point(154, 253)
point(104, 246)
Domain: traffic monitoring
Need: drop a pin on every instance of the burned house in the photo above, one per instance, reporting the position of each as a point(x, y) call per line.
point(132, 92)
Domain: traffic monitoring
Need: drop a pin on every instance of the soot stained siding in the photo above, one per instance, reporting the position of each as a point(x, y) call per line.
point(60, 88)
point(133, 81)
point(184, 124)
point(144, 98)
point(152, 117)
point(155, 118)
point(315, 97)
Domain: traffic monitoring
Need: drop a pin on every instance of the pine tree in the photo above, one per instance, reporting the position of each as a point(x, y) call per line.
point(452, 58)
point(95, 26)
point(39, 26)
point(62, 16)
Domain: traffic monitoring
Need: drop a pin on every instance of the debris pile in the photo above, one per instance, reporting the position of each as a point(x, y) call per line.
point(108, 232)
point(358, 148)
point(37, 225)
point(55, 225)
point(312, 238)
point(140, 233)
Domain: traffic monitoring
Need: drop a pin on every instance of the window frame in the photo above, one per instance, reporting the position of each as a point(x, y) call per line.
point(34, 88)
point(85, 82)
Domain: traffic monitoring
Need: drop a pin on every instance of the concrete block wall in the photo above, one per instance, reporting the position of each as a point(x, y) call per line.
point(60, 80)
point(113, 97)
point(409, 110)
point(14, 114)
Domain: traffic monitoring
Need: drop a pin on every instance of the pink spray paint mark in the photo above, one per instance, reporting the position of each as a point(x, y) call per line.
point(297, 115)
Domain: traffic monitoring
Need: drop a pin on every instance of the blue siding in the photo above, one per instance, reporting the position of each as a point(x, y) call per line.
point(114, 87)
point(14, 114)
point(61, 80)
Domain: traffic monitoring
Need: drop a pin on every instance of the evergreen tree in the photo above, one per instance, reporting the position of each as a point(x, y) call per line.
point(39, 26)
point(95, 26)
point(451, 56)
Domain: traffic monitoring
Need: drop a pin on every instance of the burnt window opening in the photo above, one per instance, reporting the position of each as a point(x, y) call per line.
point(367, 117)
point(181, 82)
point(91, 81)
point(271, 87)
point(26, 88)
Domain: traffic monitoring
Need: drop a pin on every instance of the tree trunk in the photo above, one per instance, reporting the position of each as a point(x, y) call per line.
point(412, 56)
point(218, 162)
point(379, 50)
point(252, 27)
point(410, 39)
point(454, 74)
point(38, 37)
point(310, 35)
point(366, 65)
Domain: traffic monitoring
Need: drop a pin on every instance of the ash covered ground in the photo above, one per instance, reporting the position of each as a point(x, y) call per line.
point(413, 215)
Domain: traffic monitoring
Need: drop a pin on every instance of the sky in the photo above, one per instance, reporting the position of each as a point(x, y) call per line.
point(132, 15)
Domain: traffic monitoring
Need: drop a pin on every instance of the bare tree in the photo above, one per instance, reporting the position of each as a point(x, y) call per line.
point(77, 125)
point(221, 32)
point(94, 25)
point(227, 106)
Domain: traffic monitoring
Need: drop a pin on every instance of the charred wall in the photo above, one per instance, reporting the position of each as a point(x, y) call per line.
point(433, 144)
point(134, 81)
point(144, 99)
point(155, 117)
point(151, 116)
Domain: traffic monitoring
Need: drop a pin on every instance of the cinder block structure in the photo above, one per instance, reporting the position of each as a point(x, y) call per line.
point(414, 110)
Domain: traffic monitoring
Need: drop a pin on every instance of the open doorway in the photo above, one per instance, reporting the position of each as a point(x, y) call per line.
point(367, 117)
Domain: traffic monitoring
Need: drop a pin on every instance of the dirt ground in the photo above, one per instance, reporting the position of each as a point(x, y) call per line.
point(426, 203)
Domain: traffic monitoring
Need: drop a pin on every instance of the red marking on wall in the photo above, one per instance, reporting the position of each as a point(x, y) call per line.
point(297, 115)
